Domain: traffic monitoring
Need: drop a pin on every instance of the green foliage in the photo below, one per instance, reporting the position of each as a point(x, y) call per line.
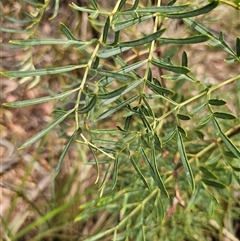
point(165, 145)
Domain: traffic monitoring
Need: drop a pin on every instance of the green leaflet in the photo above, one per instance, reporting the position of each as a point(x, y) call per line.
point(56, 8)
point(184, 159)
point(226, 140)
point(213, 40)
point(123, 92)
point(44, 131)
point(111, 52)
point(189, 40)
point(158, 89)
point(216, 102)
point(196, 12)
point(165, 65)
point(115, 172)
point(115, 75)
point(28, 73)
point(64, 152)
point(183, 117)
point(116, 108)
point(115, 93)
point(139, 173)
point(224, 115)
point(91, 104)
point(67, 32)
point(36, 101)
point(154, 172)
point(105, 30)
point(128, 23)
point(148, 39)
point(214, 183)
point(125, 69)
point(155, 9)
point(33, 42)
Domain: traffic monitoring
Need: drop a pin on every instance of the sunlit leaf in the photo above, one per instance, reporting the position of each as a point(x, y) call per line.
point(214, 40)
point(213, 160)
point(12, 30)
point(109, 95)
point(121, 4)
point(169, 136)
point(107, 80)
point(82, 9)
point(115, 75)
point(181, 130)
point(94, 4)
point(184, 59)
point(236, 169)
point(115, 172)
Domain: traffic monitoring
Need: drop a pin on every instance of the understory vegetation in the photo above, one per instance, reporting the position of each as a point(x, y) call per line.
point(131, 120)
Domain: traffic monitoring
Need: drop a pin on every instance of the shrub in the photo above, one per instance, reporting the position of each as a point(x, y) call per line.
point(163, 138)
